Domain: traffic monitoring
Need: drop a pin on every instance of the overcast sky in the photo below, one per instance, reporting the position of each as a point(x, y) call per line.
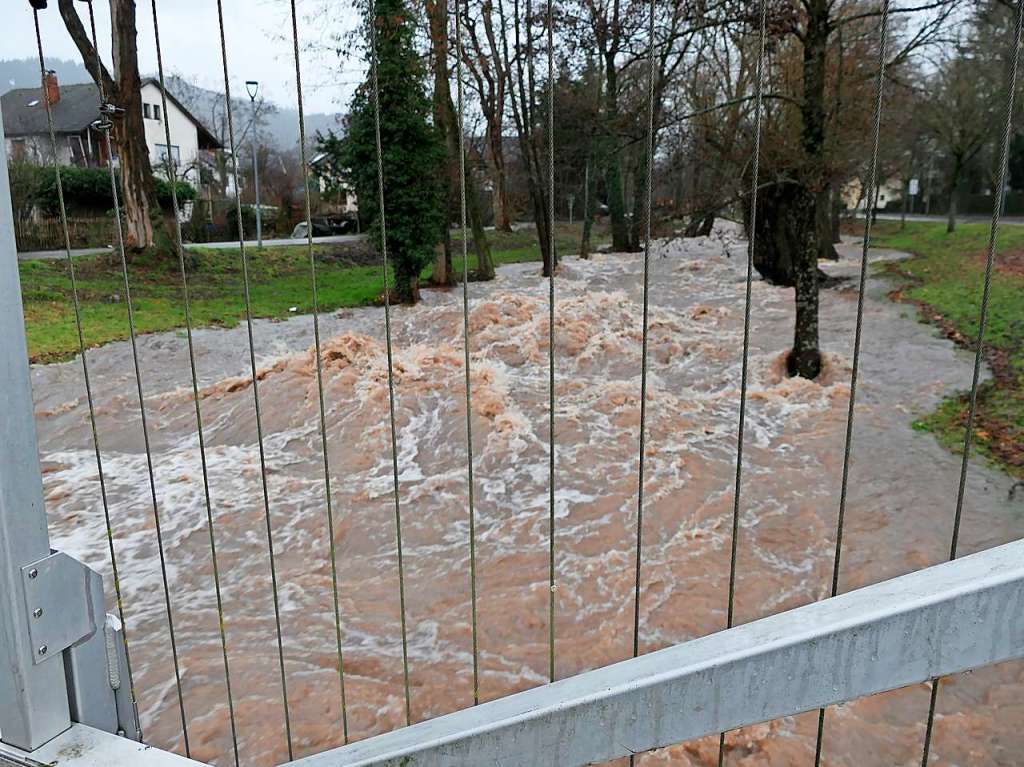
point(258, 38)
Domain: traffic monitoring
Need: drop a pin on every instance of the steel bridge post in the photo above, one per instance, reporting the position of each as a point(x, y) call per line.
point(62, 658)
point(33, 695)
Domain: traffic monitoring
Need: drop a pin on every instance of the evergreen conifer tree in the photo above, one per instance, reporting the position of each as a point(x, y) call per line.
point(413, 152)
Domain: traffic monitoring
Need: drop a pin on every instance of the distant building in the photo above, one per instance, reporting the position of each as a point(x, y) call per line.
point(75, 109)
point(888, 190)
point(335, 192)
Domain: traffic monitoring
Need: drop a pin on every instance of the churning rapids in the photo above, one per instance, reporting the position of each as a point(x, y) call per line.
point(902, 498)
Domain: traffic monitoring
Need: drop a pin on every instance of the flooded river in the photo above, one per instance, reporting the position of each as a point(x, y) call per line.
point(902, 498)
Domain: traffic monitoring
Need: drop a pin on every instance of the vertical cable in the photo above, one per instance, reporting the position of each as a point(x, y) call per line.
point(76, 304)
point(741, 426)
point(172, 178)
point(858, 331)
point(375, 86)
point(319, 372)
point(465, 334)
point(552, 263)
point(1004, 152)
point(648, 212)
point(105, 127)
point(255, 382)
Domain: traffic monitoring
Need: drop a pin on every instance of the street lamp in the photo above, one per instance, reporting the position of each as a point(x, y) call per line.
point(253, 87)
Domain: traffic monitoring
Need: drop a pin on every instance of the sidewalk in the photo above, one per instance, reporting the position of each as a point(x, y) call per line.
point(44, 255)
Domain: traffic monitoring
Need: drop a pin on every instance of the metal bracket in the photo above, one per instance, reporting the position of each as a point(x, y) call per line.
point(64, 605)
point(58, 604)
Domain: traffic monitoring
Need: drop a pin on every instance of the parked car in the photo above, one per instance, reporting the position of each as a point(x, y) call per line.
point(324, 226)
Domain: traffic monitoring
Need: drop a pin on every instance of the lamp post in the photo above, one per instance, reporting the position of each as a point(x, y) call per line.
point(253, 87)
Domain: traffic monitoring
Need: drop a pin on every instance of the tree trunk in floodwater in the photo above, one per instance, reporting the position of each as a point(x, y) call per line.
point(441, 274)
point(823, 224)
point(437, 13)
point(786, 254)
point(589, 206)
point(613, 162)
point(700, 225)
point(499, 201)
point(837, 205)
point(407, 289)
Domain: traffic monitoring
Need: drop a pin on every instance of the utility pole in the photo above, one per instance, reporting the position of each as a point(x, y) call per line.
point(253, 87)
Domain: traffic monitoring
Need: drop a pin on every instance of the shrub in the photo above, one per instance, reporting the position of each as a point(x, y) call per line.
point(89, 189)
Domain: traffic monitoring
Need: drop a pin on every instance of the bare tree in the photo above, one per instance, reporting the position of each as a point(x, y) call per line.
point(484, 61)
point(518, 61)
point(801, 150)
point(124, 90)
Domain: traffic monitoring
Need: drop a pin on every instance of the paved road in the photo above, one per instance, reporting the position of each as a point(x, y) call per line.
point(50, 255)
point(283, 241)
point(55, 254)
point(963, 219)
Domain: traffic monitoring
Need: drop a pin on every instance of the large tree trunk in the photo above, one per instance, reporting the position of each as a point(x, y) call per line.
point(613, 162)
point(484, 259)
point(786, 254)
point(539, 198)
point(837, 205)
point(124, 90)
point(954, 187)
point(823, 225)
point(499, 202)
point(437, 16)
point(636, 228)
point(589, 206)
point(805, 359)
point(700, 224)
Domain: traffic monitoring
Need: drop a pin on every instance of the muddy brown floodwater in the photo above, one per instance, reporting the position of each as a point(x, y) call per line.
point(902, 497)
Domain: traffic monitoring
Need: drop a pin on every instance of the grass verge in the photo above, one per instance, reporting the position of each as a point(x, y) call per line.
point(945, 279)
point(279, 282)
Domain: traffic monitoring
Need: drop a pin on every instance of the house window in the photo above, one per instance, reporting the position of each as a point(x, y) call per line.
point(156, 111)
point(147, 111)
point(161, 154)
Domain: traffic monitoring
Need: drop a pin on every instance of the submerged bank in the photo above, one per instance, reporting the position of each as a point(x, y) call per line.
point(944, 279)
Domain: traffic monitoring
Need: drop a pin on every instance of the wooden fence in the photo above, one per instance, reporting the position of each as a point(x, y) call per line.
point(48, 234)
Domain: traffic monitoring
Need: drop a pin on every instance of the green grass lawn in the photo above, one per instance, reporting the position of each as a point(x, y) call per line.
point(279, 279)
point(945, 279)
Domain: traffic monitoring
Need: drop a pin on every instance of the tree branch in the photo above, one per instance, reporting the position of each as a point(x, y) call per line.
point(89, 54)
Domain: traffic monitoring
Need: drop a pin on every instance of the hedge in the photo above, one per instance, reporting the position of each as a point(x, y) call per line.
point(89, 188)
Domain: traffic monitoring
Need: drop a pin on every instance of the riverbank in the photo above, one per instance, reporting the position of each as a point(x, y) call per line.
point(944, 279)
point(279, 280)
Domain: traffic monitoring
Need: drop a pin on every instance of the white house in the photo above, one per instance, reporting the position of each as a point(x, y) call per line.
point(189, 136)
point(343, 194)
point(76, 107)
point(888, 190)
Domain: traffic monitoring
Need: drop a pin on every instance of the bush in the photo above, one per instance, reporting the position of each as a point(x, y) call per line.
point(89, 189)
point(197, 229)
point(248, 222)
